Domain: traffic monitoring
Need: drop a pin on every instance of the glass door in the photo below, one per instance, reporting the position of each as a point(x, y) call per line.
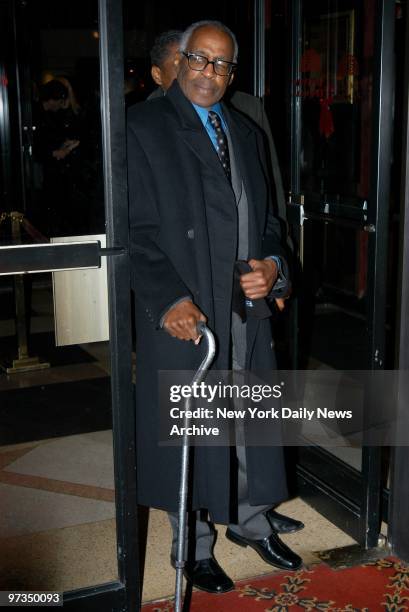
point(67, 463)
point(341, 126)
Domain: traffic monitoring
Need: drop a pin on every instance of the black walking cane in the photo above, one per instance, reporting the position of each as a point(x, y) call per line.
point(184, 472)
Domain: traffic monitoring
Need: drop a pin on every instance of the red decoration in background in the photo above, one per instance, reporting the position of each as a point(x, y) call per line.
point(315, 86)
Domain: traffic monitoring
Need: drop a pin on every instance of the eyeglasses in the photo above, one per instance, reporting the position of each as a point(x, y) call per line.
point(199, 63)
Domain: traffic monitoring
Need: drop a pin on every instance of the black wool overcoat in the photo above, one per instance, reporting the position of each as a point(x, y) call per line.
point(175, 178)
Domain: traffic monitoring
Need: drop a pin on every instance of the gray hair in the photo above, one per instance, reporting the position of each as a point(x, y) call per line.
point(218, 25)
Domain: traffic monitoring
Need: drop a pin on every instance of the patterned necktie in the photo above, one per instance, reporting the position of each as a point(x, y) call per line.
point(222, 145)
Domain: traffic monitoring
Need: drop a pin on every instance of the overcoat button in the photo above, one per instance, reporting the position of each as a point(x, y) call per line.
point(191, 233)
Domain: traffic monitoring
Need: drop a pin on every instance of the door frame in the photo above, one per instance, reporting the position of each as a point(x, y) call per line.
point(399, 487)
point(124, 594)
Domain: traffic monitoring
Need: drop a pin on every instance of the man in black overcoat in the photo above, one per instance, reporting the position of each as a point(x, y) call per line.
point(199, 201)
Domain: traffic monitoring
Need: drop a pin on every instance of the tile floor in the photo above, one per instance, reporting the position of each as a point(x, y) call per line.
point(58, 513)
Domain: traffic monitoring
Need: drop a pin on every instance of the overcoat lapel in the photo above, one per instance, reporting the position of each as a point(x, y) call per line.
point(192, 132)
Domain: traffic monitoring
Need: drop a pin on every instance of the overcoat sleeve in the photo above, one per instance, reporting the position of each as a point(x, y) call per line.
point(155, 281)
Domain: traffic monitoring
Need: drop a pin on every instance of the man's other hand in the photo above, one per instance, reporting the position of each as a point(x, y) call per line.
point(181, 321)
point(258, 283)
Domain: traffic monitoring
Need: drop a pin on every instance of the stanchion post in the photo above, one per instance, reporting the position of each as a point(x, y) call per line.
point(24, 363)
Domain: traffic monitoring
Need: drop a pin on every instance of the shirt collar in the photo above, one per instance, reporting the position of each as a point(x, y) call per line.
point(204, 113)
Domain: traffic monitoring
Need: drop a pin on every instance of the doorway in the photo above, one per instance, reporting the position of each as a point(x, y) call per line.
point(339, 102)
point(67, 426)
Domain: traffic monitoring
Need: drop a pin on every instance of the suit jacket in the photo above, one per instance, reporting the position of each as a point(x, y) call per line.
point(175, 180)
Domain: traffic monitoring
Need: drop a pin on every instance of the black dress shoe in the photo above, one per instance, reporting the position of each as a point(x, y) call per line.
point(207, 575)
point(283, 524)
point(271, 549)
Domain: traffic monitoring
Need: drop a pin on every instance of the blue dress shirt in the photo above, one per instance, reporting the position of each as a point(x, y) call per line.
point(204, 118)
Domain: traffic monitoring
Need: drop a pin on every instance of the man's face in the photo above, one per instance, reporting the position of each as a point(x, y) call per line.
point(205, 88)
point(166, 73)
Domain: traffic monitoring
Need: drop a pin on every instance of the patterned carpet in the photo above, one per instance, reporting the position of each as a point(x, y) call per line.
point(379, 585)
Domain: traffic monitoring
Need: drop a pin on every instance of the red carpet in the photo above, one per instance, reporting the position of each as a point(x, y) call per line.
point(380, 585)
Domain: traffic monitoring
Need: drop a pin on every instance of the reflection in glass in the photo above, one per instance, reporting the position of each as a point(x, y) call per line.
point(334, 85)
point(333, 328)
point(333, 331)
point(57, 520)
